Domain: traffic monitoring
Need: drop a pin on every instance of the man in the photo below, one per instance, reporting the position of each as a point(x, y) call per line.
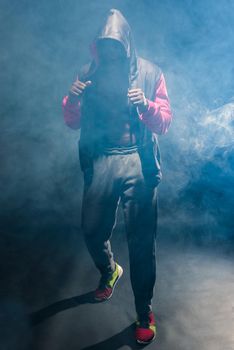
point(120, 102)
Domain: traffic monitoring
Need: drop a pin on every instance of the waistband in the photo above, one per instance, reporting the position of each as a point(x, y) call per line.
point(120, 150)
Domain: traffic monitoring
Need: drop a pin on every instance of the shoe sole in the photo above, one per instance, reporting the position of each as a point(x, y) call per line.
point(117, 279)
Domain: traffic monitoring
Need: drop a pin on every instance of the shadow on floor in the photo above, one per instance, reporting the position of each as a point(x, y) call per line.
point(117, 341)
point(124, 338)
point(51, 310)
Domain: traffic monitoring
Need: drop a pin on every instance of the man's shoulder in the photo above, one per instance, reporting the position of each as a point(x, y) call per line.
point(86, 70)
point(148, 66)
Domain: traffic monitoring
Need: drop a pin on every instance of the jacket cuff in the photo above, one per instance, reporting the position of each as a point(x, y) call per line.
point(153, 109)
point(69, 104)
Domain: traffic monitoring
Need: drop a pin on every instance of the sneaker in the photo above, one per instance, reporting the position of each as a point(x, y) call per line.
point(145, 329)
point(106, 288)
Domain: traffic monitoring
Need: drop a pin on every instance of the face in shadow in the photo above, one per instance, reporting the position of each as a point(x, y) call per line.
point(110, 52)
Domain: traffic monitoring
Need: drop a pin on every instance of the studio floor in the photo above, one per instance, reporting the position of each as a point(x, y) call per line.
point(193, 303)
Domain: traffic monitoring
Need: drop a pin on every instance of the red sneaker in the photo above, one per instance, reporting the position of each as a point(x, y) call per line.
point(105, 289)
point(146, 329)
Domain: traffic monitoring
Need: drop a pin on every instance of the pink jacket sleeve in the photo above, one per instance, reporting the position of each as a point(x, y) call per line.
point(71, 113)
point(158, 116)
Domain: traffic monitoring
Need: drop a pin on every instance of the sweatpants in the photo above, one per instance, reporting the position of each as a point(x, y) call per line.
point(117, 178)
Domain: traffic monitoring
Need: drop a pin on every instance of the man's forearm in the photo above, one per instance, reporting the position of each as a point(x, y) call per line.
point(158, 114)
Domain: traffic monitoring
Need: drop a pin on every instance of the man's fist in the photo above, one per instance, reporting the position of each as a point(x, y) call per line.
point(78, 88)
point(137, 97)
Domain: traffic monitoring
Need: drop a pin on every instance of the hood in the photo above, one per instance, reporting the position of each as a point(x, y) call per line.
point(116, 27)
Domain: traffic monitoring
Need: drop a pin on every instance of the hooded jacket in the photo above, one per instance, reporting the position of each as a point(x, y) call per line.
point(142, 74)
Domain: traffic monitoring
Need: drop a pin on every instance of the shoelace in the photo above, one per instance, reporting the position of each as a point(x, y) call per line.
point(144, 323)
point(104, 282)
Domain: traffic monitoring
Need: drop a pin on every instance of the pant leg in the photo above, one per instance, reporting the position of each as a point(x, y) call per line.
point(139, 200)
point(99, 206)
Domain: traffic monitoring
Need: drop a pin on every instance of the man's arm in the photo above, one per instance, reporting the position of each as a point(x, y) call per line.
point(71, 104)
point(158, 114)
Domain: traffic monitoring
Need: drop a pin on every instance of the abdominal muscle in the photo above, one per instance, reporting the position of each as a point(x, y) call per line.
point(118, 134)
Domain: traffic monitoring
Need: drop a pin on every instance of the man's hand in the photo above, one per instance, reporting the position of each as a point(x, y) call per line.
point(137, 97)
point(77, 89)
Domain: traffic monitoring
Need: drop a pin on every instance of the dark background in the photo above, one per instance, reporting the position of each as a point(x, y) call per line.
point(43, 44)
